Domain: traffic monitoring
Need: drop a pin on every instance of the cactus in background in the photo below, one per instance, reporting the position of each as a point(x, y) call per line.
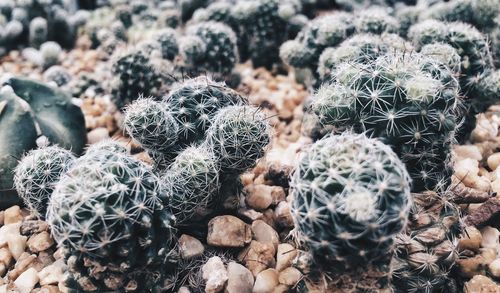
point(50, 53)
point(32, 112)
point(192, 182)
point(487, 91)
point(57, 74)
point(409, 101)
point(38, 31)
point(37, 173)
point(167, 38)
point(135, 75)
point(444, 53)
point(238, 136)
point(375, 20)
point(351, 196)
point(220, 54)
point(426, 252)
point(108, 214)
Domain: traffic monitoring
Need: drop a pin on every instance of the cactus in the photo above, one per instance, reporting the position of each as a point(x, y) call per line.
point(444, 53)
point(108, 214)
point(426, 251)
point(414, 110)
point(351, 196)
point(135, 75)
point(220, 54)
point(191, 183)
point(375, 20)
point(487, 91)
point(168, 43)
point(37, 112)
point(38, 31)
point(57, 74)
point(37, 173)
point(238, 136)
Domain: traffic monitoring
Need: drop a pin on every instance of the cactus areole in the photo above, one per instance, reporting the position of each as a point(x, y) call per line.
point(31, 111)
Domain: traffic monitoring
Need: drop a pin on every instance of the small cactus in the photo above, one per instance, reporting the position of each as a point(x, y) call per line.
point(375, 20)
point(167, 38)
point(37, 173)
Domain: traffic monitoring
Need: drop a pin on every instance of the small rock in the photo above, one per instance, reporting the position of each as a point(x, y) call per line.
point(49, 289)
point(266, 281)
point(494, 268)
point(22, 264)
point(490, 238)
point(190, 247)
point(290, 276)
point(40, 242)
point(258, 257)
point(52, 274)
point(468, 152)
point(494, 161)
point(258, 196)
point(17, 244)
point(214, 274)
point(5, 260)
point(481, 284)
point(240, 279)
point(26, 281)
point(488, 210)
point(495, 185)
point(471, 239)
point(228, 231)
point(250, 214)
point(30, 227)
point(283, 215)
point(469, 267)
point(183, 290)
point(13, 215)
point(285, 256)
point(264, 233)
point(97, 134)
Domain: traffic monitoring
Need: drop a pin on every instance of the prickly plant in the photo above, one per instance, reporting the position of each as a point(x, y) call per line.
point(108, 214)
point(426, 251)
point(57, 74)
point(167, 38)
point(238, 136)
point(487, 92)
point(37, 173)
point(351, 196)
point(409, 101)
point(445, 54)
point(135, 75)
point(375, 20)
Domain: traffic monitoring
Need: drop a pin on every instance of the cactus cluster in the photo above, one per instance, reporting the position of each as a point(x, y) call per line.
point(31, 23)
point(199, 136)
point(408, 100)
point(351, 196)
point(41, 114)
point(108, 213)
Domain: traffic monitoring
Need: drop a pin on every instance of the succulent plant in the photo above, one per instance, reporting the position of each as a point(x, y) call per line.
point(38, 31)
point(375, 20)
point(487, 92)
point(220, 54)
point(351, 196)
point(50, 53)
point(108, 214)
point(445, 54)
point(37, 173)
point(409, 101)
point(135, 75)
point(57, 74)
point(168, 43)
point(426, 251)
point(31, 113)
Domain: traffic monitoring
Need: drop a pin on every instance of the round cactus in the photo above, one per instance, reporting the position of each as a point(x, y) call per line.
point(194, 103)
point(109, 216)
point(445, 54)
point(38, 31)
point(37, 173)
point(148, 122)
point(57, 74)
point(191, 183)
point(136, 75)
point(376, 20)
point(50, 52)
point(408, 100)
point(239, 136)
point(351, 197)
point(167, 38)
point(487, 91)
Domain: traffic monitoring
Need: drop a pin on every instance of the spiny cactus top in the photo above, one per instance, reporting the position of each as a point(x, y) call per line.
point(375, 20)
point(351, 196)
point(108, 213)
point(408, 100)
point(37, 173)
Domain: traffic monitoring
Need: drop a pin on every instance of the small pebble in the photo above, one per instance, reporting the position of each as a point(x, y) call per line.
point(215, 275)
point(228, 231)
point(12, 215)
point(266, 281)
point(240, 279)
point(290, 276)
point(40, 242)
point(285, 256)
point(26, 281)
point(264, 233)
point(190, 247)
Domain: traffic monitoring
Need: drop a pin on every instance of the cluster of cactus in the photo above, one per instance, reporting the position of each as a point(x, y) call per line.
point(31, 114)
point(201, 135)
point(351, 197)
point(31, 23)
point(408, 100)
point(107, 211)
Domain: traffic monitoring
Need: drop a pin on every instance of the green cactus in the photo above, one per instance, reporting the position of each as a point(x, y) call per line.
point(37, 173)
point(108, 214)
point(167, 38)
point(414, 110)
point(375, 20)
point(487, 92)
point(445, 54)
point(351, 196)
point(37, 112)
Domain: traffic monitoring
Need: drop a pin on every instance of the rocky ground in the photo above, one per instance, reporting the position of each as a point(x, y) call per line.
point(259, 232)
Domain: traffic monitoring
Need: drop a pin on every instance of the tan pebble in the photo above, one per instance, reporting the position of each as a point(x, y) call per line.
point(240, 279)
point(16, 244)
point(290, 276)
point(468, 152)
point(190, 247)
point(264, 233)
point(494, 268)
point(22, 264)
point(40, 242)
point(49, 289)
point(471, 239)
point(13, 215)
point(494, 161)
point(215, 275)
point(52, 274)
point(481, 284)
point(258, 196)
point(283, 215)
point(183, 290)
point(490, 238)
point(495, 186)
point(228, 231)
point(258, 257)
point(266, 281)
point(97, 135)
point(285, 256)
point(281, 288)
point(27, 281)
